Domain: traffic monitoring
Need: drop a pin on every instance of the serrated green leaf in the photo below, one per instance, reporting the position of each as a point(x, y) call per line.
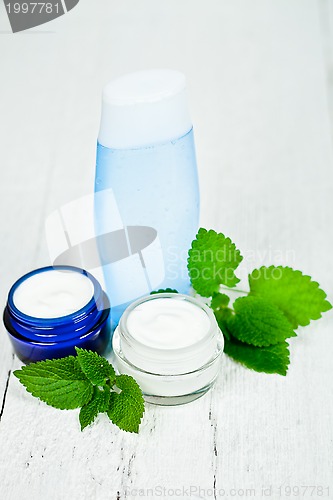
point(258, 322)
point(272, 359)
point(212, 261)
point(98, 404)
point(219, 301)
point(298, 297)
point(58, 382)
point(164, 290)
point(127, 407)
point(96, 368)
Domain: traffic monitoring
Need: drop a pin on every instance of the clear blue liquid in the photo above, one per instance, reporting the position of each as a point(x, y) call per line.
point(154, 186)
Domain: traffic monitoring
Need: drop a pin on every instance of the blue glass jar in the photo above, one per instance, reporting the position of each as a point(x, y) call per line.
point(36, 337)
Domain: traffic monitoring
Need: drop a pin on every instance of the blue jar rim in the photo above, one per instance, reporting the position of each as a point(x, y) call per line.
point(56, 340)
point(61, 319)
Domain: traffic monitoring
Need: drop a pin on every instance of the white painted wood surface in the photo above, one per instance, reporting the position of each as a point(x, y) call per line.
point(260, 84)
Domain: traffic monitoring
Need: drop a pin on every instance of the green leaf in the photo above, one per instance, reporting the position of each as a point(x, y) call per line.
point(164, 290)
point(58, 382)
point(219, 301)
point(85, 381)
point(272, 359)
point(298, 297)
point(212, 261)
point(96, 368)
point(126, 408)
point(98, 404)
point(258, 322)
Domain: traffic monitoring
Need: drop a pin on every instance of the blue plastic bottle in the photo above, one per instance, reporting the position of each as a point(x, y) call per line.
point(146, 166)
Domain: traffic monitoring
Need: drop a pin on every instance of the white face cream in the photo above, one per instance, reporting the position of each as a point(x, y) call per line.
point(168, 324)
point(53, 293)
point(171, 345)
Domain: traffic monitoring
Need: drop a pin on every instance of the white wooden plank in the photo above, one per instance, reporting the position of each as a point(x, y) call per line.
point(259, 98)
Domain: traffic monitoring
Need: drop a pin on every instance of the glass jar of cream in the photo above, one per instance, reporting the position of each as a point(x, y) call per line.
point(53, 309)
point(171, 344)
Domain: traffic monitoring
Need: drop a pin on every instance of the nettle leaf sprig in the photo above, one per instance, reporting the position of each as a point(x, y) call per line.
point(86, 381)
point(257, 326)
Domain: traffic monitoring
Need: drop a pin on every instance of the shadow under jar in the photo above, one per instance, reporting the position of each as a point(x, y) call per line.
point(52, 310)
point(171, 344)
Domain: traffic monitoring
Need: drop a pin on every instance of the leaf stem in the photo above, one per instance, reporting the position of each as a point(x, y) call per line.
point(234, 289)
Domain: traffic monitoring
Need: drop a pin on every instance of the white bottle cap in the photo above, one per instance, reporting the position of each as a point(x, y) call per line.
point(144, 108)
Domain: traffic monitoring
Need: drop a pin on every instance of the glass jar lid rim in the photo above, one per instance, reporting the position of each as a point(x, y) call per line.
point(211, 332)
point(217, 354)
